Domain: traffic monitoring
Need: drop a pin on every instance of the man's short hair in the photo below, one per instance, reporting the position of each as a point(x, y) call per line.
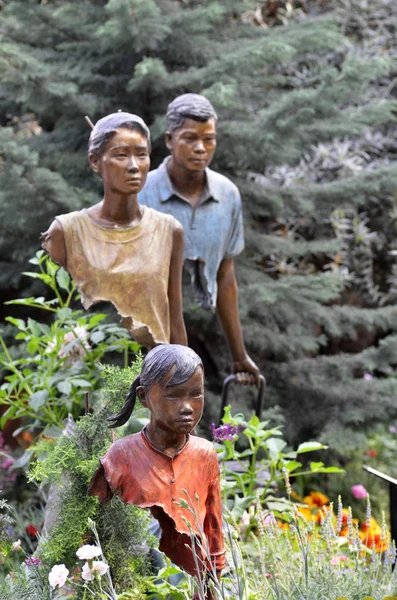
point(189, 106)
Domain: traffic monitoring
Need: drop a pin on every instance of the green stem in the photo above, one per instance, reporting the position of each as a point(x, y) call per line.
point(125, 356)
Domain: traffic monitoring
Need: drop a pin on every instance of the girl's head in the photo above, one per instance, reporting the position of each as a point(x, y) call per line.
point(119, 151)
point(170, 386)
point(107, 127)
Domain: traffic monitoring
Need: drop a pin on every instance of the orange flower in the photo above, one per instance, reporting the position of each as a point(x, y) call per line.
point(372, 535)
point(316, 499)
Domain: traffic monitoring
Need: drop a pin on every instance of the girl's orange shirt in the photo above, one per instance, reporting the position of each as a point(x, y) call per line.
point(141, 475)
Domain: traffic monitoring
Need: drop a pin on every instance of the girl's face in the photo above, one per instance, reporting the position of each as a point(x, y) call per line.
point(178, 408)
point(125, 163)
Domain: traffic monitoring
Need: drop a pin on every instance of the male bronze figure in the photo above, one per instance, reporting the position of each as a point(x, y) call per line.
point(208, 205)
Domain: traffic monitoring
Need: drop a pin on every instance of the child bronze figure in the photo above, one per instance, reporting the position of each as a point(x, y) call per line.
point(151, 469)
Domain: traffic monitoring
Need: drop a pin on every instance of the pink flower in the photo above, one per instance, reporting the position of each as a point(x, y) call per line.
point(58, 576)
point(269, 520)
point(359, 491)
point(98, 568)
point(368, 377)
point(32, 561)
point(88, 552)
point(335, 560)
point(16, 545)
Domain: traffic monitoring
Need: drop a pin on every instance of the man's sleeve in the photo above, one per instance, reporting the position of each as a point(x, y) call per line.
point(236, 240)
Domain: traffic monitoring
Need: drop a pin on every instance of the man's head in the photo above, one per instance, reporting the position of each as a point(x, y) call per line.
point(189, 106)
point(191, 131)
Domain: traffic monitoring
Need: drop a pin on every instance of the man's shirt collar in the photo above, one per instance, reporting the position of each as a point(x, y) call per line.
point(167, 191)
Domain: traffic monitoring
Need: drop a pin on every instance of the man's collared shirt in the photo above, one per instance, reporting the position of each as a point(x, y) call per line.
point(213, 229)
point(142, 475)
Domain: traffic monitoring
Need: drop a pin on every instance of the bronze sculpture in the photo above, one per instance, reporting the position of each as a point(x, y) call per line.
point(118, 250)
point(153, 468)
point(209, 207)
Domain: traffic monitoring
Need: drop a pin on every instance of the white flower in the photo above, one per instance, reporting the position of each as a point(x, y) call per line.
point(88, 552)
point(79, 336)
point(16, 545)
point(98, 567)
point(58, 576)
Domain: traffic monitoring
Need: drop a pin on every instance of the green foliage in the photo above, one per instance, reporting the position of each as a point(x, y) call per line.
point(258, 471)
point(56, 364)
point(69, 466)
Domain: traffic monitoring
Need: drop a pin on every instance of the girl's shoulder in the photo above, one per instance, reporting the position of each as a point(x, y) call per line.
point(125, 444)
point(202, 445)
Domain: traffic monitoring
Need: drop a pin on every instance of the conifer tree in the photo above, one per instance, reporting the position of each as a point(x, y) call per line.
point(307, 111)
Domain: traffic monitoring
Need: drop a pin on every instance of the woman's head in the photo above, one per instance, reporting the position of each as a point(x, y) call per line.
point(119, 151)
point(106, 128)
point(165, 369)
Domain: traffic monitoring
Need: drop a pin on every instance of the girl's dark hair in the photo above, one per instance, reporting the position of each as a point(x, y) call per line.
point(157, 364)
point(105, 129)
point(189, 106)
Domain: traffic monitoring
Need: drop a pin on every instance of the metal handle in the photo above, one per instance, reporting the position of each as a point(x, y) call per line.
point(259, 401)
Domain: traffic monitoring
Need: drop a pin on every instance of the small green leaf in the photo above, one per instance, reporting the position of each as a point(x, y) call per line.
point(330, 470)
point(276, 445)
point(291, 465)
point(32, 346)
point(97, 337)
point(34, 327)
point(52, 431)
point(310, 447)
point(17, 322)
point(316, 465)
point(64, 313)
point(23, 460)
point(63, 279)
point(95, 320)
point(64, 387)
point(80, 383)
point(21, 336)
point(38, 399)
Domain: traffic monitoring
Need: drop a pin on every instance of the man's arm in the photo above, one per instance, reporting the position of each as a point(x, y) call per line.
point(177, 324)
point(227, 304)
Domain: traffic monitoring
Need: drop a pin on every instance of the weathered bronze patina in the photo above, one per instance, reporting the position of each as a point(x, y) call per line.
point(118, 250)
point(154, 468)
point(208, 205)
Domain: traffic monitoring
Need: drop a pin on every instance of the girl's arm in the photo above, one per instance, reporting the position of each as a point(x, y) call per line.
point(178, 331)
point(53, 241)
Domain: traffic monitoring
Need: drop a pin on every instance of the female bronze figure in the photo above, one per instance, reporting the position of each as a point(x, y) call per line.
point(118, 250)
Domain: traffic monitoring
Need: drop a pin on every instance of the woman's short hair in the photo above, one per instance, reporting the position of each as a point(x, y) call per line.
point(106, 127)
point(189, 106)
point(179, 361)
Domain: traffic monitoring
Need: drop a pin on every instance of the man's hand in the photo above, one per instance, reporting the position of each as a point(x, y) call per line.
point(246, 371)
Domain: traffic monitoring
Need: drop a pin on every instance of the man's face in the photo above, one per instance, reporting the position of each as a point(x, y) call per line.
point(192, 146)
point(175, 409)
point(125, 163)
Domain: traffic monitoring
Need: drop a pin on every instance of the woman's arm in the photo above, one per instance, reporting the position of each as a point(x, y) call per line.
point(53, 241)
point(178, 331)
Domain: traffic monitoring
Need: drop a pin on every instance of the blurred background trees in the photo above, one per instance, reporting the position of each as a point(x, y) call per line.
point(306, 94)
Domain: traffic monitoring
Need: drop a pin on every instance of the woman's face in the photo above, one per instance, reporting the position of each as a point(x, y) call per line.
point(125, 163)
point(178, 408)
